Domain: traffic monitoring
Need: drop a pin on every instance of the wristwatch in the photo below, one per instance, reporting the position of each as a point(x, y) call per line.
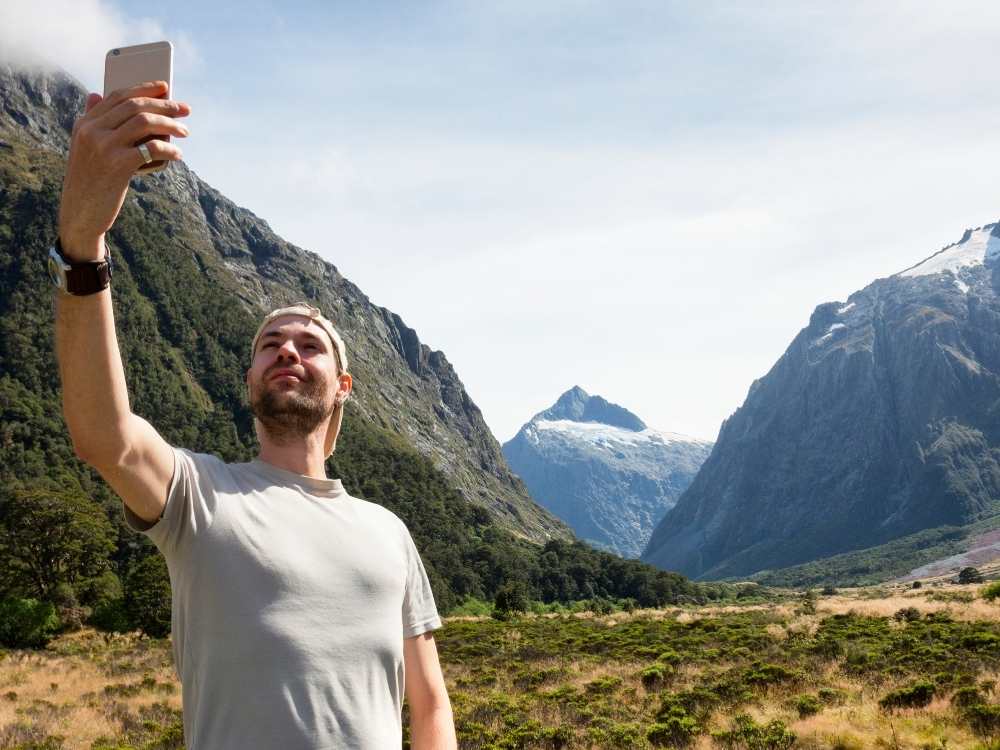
point(79, 278)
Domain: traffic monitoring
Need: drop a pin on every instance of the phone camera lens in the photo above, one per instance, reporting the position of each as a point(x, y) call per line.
point(116, 52)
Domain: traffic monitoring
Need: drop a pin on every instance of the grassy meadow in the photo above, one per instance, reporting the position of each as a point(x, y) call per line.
point(889, 666)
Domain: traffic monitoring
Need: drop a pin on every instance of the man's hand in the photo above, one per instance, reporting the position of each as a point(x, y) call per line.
point(103, 157)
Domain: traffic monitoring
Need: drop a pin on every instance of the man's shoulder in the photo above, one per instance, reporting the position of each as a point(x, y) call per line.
point(377, 512)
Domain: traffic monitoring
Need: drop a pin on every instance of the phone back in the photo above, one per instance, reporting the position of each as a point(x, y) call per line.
point(128, 66)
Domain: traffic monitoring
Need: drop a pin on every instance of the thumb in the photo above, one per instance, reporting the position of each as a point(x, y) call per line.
point(92, 101)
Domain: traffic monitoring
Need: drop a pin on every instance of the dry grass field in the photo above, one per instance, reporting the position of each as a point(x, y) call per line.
point(803, 673)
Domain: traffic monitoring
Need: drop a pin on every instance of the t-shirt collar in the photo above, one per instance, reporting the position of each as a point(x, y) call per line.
point(328, 487)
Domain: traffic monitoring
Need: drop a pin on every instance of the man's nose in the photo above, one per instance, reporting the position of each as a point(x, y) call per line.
point(288, 351)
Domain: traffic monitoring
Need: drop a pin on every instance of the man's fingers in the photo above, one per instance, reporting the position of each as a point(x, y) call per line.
point(129, 108)
point(158, 151)
point(92, 101)
point(150, 88)
point(146, 124)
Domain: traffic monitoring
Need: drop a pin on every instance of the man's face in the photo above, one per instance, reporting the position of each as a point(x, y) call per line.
point(293, 377)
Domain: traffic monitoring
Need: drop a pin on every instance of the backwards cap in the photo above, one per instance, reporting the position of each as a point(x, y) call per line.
point(308, 311)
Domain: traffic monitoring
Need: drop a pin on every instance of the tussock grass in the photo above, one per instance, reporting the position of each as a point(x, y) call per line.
point(576, 680)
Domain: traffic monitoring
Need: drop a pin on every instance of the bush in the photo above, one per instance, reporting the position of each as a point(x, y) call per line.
point(807, 705)
point(93, 592)
point(984, 719)
point(746, 733)
point(917, 584)
point(27, 623)
point(917, 695)
point(990, 592)
point(675, 731)
point(654, 676)
point(829, 591)
point(907, 614)
point(511, 599)
point(112, 617)
point(970, 575)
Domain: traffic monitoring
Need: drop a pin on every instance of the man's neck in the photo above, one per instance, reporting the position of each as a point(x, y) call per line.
point(302, 456)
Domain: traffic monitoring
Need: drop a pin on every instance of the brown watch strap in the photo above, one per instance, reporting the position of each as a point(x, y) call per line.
point(88, 277)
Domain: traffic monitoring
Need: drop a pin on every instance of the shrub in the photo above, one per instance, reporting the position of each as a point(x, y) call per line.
point(511, 599)
point(907, 614)
point(807, 705)
point(675, 731)
point(983, 719)
point(111, 617)
point(970, 575)
point(916, 695)
point(829, 591)
point(746, 733)
point(967, 696)
point(990, 592)
point(917, 584)
point(654, 676)
point(27, 623)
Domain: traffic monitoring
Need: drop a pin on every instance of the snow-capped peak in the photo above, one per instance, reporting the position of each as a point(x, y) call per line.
point(977, 247)
point(604, 435)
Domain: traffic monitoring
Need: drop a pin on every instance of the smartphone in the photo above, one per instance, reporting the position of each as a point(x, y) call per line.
point(129, 66)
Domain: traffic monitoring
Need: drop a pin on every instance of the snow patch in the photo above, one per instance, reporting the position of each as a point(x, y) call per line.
point(829, 333)
point(845, 308)
point(605, 435)
point(980, 247)
point(962, 286)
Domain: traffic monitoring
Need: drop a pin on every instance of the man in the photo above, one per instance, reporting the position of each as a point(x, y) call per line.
point(300, 615)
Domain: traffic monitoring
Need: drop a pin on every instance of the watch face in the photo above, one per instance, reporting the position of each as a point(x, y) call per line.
point(55, 272)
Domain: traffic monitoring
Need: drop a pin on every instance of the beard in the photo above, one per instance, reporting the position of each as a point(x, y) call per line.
point(287, 413)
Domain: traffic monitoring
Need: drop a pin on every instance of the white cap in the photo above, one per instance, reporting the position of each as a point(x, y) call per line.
point(307, 311)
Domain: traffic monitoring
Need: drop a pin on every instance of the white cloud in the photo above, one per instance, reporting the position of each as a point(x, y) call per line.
point(75, 35)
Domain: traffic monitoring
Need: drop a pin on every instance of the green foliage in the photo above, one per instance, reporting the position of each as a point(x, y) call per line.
point(991, 591)
point(147, 596)
point(49, 536)
point(674, 731)
point(807, 705)
point(511, 599)
point(970, 575)
point(654, 676)
point(27, 623)
point(746, 733)
point(111, 615)
point(916, 695)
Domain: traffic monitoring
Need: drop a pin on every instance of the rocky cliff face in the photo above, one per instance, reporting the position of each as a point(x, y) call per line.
point(602, 470)
point(881, 419)
point(400, 383)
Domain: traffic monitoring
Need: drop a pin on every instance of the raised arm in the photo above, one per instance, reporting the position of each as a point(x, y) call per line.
point(123, 447)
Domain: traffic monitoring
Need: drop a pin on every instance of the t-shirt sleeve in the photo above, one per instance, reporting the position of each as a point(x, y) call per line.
point(190, 506)
point(419, 610)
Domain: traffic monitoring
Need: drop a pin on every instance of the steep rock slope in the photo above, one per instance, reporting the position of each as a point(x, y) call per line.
point(881, 419)
point(226, 267)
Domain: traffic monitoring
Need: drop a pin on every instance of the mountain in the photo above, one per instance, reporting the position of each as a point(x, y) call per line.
point(193, 276)
point(598, 467)
point(401, 384)
point(880, 422)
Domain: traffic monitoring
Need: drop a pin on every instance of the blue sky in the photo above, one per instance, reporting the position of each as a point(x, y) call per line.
point(644, 199)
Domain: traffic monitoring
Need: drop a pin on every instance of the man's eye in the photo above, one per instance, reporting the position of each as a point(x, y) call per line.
point(267, 345)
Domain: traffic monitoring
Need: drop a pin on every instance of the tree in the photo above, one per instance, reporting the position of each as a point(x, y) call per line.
point(970, 575)
point(512, 598)
point(147, 596)
point(48, 537)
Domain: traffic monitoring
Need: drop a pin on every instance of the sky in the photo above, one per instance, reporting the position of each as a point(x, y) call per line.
point(645, 199)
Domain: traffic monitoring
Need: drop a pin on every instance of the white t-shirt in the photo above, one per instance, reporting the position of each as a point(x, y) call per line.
point(290, 603)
